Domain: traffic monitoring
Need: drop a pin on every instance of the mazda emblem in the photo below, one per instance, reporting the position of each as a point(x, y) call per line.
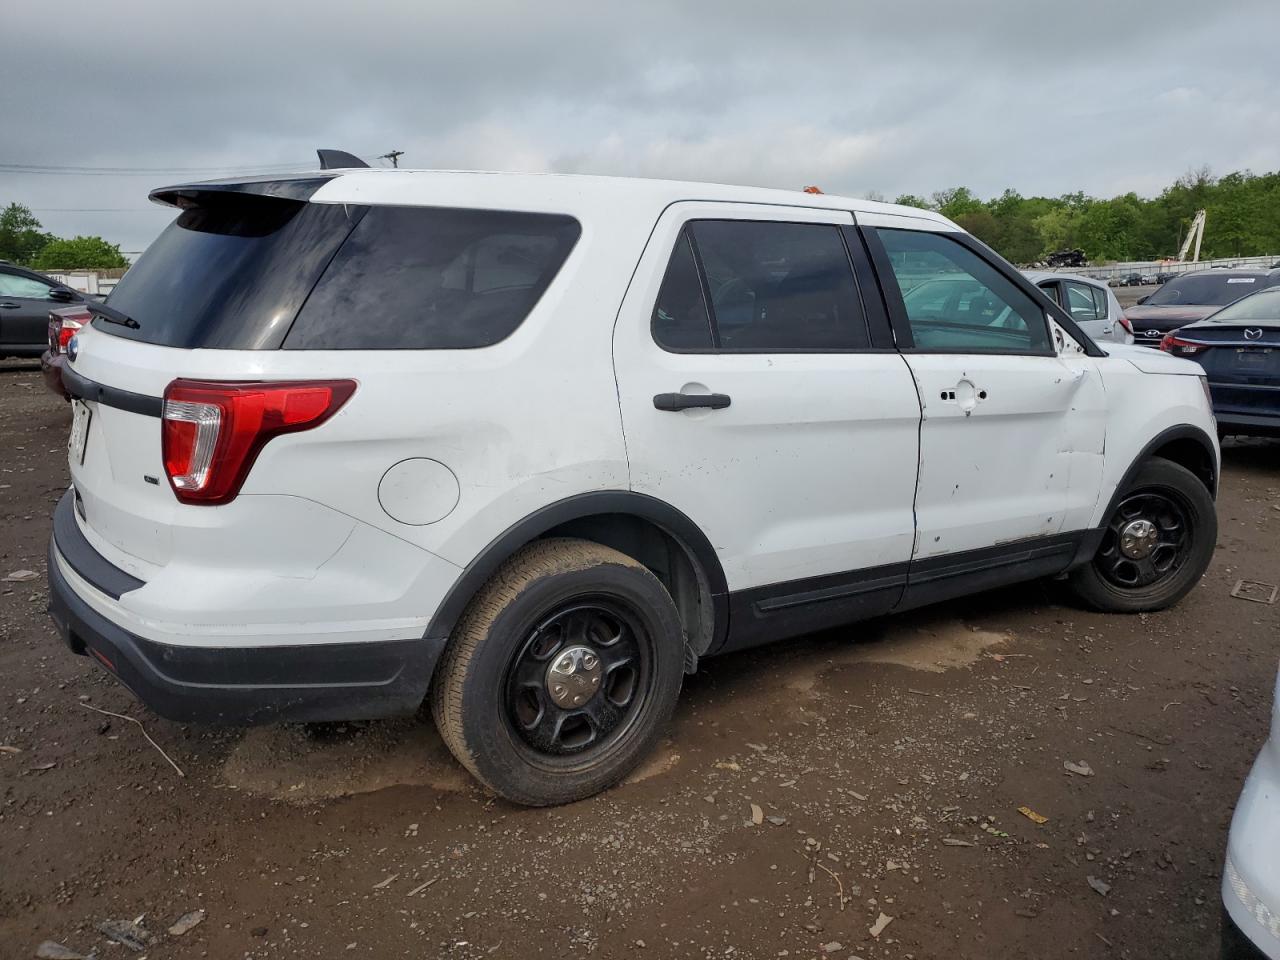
point(1254, 333)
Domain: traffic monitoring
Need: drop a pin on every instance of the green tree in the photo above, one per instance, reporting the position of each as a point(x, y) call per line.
point(956, 202)
point(21, 236)
point(910, 200)
point(79, 253)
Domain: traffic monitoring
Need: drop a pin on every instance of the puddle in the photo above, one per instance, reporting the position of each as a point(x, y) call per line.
point(935, 649)
point(305, 764)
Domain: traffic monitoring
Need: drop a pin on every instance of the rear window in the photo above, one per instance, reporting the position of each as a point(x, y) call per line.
point(433, 278)
point(1205, 290)
point(230, 273)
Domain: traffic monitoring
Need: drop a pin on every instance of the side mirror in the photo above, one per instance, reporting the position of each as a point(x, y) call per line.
point(63, 295)
point(1143, 299)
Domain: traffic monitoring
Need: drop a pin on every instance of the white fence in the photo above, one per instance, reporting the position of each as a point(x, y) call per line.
point(1146, 267)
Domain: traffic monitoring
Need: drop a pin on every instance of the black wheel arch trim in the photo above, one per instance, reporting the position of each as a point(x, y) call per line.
point(1183, 431)
point(622, 502)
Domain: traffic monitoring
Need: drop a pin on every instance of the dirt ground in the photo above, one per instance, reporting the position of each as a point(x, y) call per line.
point(888, 762)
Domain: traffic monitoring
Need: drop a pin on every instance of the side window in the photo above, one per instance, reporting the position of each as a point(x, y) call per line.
point(956, 302)
point(12, 285)
point(425, 278)
point(779, 287)
point(680, 319)
point(1052, 291)
point(1100, 300)
point(1081, 303)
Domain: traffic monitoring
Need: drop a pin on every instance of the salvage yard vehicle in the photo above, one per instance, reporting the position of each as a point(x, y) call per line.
point(64, 323)
point(1239, 350)
point(528, 447)
point(25, 300)
point(1091, 303)
point(1251, 875)
point(1190, 297)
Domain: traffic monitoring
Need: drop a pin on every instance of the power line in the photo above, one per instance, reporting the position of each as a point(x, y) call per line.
point(392, 155)
point(86, 171)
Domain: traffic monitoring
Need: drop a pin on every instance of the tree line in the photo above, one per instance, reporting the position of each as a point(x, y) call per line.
point(24, 241)
point(1243, 219)
point(1243, 209)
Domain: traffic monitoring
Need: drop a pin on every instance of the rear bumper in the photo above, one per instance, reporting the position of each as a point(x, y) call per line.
point(51, 365)
point(1247, 424)
point(233, 685)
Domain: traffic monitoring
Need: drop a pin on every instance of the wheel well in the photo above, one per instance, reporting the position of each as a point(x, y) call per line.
point(666, 557)
point(1190, 453)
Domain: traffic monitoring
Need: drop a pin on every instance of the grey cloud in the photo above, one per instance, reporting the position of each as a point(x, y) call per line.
point(856, 96)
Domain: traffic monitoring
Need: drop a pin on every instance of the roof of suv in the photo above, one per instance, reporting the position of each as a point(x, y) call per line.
point(567, 193)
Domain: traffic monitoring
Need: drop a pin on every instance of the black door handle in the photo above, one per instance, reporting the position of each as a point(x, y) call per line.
point(10, 306)
point(688, 401)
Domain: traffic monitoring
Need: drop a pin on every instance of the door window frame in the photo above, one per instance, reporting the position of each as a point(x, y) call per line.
point(875, 318)
point(897, 309)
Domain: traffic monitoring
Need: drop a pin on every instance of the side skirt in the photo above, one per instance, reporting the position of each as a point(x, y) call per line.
point(782, 610)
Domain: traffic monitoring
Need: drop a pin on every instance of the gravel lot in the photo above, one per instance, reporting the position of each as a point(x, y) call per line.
point(886, 763)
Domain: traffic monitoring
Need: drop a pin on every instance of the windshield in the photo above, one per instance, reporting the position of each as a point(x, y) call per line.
point(1261, 306)
point(1205, 289)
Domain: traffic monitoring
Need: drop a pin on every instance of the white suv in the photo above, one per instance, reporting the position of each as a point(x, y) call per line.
point(527, 447)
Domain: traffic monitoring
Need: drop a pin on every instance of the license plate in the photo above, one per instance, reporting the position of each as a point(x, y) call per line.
point(80, 417)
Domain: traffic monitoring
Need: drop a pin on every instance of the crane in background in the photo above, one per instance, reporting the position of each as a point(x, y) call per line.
point(1196, 233)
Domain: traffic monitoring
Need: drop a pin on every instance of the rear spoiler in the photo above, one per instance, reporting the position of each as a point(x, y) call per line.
point(298, 188)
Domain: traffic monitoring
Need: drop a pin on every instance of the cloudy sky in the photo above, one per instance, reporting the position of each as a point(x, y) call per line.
point(857, 97)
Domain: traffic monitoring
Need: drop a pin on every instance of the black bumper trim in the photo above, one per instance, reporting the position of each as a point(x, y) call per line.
point(80, 556)
point(86, 389)
point(244, 686)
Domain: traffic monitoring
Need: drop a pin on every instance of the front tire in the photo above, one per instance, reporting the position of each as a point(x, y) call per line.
point(561, 673)
point(1158, 543)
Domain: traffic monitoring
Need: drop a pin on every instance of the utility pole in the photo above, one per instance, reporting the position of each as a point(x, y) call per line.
point(394, 156)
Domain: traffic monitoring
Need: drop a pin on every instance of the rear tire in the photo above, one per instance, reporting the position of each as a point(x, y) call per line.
point(1158, 543)
point(537, 736)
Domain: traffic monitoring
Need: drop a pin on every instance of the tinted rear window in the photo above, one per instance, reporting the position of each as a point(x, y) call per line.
point(1206, 289)
point(433, 278)
point(231, 273)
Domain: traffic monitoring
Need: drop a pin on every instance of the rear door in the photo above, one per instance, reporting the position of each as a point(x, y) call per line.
point(762, 398)
point(24, 311)
point(1006, 420)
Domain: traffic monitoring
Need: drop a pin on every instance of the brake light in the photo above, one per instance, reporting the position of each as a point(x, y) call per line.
point(211, 433)
point(64, 326)
point(1127, 324)
point(1172, 344)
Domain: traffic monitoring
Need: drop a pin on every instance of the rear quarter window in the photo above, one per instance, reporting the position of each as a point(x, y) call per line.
point(421, 278)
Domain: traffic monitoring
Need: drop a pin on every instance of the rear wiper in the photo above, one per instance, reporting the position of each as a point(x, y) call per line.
point(112, 315)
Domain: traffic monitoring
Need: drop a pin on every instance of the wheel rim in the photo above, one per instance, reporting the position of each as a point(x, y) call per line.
point(1147, 541)
point(578, 680)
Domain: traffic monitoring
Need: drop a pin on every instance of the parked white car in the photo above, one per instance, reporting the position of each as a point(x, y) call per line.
point(1251, 876)
point(529, 447)
point(1091, 303)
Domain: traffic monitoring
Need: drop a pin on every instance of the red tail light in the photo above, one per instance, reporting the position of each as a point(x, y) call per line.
point(64, 326)
point(211, 433)
point(1127, 324)
point(1171, 344)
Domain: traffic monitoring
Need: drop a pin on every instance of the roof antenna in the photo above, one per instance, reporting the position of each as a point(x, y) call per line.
point(392, 155)
point(337, 159)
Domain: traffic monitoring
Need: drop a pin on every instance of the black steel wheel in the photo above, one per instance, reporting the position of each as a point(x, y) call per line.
point(579, 678)
point(1156, 544)
point(561, 674)
point(1148, 538)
